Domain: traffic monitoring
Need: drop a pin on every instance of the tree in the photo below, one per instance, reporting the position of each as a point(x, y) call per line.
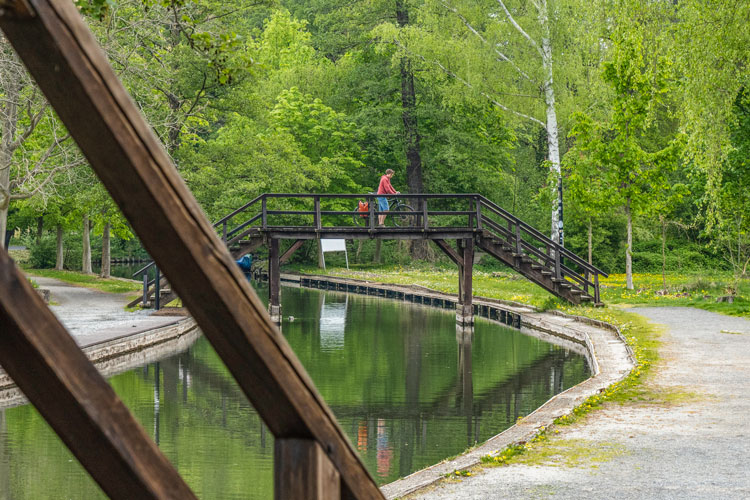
point(35, 150)
point(636, 160)
point(589, 194)
point(730, 224)
point(710, 46)
point(501, 52)
point(177, 58)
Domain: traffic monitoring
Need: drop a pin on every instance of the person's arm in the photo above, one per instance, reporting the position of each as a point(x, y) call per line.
point(387, 187)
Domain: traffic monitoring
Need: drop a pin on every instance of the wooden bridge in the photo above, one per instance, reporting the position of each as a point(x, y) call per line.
point(470, 220)
point(313, 459)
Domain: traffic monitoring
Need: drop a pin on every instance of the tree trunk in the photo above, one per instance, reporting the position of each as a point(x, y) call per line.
point(414, 181)
point(106, 260)
point(359, 249)
point(86, 258)
point(39, 229)
point(377, 251)
point(553, 145)
point(60, 258)
point(9, 116)
point(629, 249)
point(591, 239)
point(663, 253)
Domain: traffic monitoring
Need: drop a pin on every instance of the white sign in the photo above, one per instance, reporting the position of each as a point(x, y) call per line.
point(327, 245)
point(333, 245)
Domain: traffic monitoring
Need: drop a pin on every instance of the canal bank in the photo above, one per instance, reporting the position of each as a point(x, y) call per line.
point(114, 339)
point(607, 362)
point(684, 437)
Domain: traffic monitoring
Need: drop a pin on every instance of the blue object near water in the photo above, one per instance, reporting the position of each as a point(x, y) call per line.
point(245, 263)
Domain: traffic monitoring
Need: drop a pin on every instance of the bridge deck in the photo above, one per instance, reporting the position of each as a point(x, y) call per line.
point(359, 233)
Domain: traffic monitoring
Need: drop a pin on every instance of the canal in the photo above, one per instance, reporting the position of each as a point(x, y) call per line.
point(405, 386)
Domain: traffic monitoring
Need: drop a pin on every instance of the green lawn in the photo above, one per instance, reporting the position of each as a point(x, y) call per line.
point(699, 290)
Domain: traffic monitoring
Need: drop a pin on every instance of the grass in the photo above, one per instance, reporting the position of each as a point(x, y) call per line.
point(110, 285)
point(686, 290)
point(546, 450)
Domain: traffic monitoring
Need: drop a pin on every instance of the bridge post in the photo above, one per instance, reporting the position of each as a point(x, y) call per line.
point(465, 307)
point(274, 281)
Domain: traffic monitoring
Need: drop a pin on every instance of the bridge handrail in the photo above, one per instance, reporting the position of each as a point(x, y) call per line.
point(537, 234)
point(239, 210)
point(482, 201)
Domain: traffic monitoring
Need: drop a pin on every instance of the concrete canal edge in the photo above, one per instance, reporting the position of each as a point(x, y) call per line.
point(121, 353)
point(608, 354)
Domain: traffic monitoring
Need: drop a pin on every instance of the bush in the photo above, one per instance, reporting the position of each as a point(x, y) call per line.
point(43, 255)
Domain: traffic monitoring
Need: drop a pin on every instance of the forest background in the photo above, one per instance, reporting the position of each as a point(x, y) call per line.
point(637, 112)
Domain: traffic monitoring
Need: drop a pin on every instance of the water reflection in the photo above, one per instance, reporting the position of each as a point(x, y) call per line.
point(407, 387)
point(332, 323)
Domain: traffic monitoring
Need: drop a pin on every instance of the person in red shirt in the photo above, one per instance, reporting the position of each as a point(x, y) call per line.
point(385, 188)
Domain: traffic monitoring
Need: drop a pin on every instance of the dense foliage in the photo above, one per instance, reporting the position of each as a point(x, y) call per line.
point(640, 109)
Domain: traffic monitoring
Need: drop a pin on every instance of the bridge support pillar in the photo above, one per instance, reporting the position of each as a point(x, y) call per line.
point(274, 281)
point(465, 306)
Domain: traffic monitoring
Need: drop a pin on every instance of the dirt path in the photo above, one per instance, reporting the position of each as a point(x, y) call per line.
point(92, 316)
point(688, 438)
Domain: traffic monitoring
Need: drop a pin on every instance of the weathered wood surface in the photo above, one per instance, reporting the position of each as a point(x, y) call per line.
point(450, 252)
point(305, 472)
point(82, 408)
point(72, 71)
point(290, 251)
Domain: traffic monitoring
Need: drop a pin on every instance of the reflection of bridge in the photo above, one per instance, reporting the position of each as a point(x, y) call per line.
point(470, 219)
point(508, 397)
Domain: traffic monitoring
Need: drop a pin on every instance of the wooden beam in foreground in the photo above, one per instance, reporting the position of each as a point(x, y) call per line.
point(45, 362)
point(67, 63)
point(305, 471)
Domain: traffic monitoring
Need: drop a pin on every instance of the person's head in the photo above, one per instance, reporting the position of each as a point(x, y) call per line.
point(389, 173)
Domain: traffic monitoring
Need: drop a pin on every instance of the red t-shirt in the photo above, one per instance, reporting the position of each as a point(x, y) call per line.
point(385, 186)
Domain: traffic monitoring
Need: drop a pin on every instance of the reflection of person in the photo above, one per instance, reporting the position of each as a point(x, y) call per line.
point(384, 188)
point(385, 451)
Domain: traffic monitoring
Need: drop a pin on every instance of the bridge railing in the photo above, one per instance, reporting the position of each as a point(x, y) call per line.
point(274, 210)
point(528, 241)
point(415, 211)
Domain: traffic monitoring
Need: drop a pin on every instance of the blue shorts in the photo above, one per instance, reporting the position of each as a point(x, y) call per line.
point(382, 204)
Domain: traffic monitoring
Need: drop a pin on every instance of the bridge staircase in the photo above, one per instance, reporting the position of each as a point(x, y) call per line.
point(536, 257)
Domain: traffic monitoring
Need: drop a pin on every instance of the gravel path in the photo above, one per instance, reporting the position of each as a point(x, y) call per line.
point(691, 442)
point(93, 316)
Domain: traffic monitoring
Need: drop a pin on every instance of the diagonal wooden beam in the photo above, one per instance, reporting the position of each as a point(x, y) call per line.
point(289, 251)
point(450, 252)
point(48, 366)
point(70, 68)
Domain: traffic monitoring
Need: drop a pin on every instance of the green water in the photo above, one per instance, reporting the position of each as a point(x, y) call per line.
point(405, 387)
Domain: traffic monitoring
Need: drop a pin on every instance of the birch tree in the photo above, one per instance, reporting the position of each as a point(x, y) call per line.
point(502, 52)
